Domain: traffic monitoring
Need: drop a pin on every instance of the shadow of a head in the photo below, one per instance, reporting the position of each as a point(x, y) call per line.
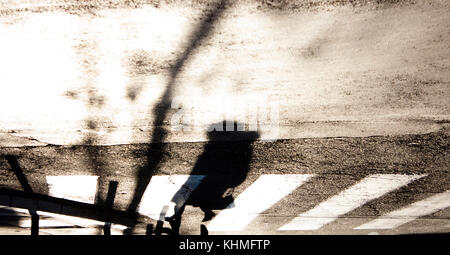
point(224, 132)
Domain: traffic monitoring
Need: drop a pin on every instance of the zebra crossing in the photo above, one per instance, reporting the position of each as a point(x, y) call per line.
point(404, 215)
point(244, 209)
point(165, 192)
point(368, 189)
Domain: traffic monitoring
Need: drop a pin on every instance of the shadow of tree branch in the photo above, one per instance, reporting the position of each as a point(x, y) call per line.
point(156, 147)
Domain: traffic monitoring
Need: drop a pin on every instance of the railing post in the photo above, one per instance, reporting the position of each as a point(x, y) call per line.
point(112, 188)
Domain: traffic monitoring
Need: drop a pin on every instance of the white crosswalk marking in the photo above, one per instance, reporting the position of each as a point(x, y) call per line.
point(158, 195)
point(164, 192)
point(258, 197)
point(161, 191)
point(367, 189)
point(418, 209)
point(80, 187)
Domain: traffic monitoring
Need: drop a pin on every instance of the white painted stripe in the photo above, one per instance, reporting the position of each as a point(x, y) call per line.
point(75, 221)
point(25, 222)
point(73, 231)
point(80, 188)
point(43, 223)
point(366, 190)
point(55, 220)
point(418, 209)
point(159, 195)
point(258, 197)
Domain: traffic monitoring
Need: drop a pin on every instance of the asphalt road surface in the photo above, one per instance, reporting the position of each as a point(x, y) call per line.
point(358, 179)
point(341, 108)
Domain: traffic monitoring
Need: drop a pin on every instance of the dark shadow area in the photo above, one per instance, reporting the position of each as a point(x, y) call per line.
point(109, 203)
point(17, 170)
point(157, 146)
point(9, 217)
point(96, 165)
point(68, 207)
point(15, 167)
point(225, 163)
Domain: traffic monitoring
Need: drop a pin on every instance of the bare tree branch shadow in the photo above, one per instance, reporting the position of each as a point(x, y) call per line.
point(157, 146)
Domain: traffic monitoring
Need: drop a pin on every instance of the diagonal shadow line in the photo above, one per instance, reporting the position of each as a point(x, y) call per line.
point(15, 167)
point(156, 148)
point(74, 208)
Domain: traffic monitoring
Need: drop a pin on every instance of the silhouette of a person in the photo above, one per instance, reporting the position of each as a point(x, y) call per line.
point(225, 163)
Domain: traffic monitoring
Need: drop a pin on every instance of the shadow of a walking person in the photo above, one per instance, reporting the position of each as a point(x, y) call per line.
point(225, 163)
